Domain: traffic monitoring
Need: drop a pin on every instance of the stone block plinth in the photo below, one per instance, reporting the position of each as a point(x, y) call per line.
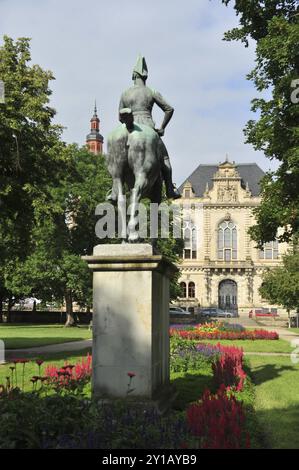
point(130, 321)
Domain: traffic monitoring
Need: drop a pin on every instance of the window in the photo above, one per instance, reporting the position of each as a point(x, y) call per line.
point(269, 251)
point(227, 241)
point(190, 239)
point(187, 193)
point(191, 290)
point(183, 289)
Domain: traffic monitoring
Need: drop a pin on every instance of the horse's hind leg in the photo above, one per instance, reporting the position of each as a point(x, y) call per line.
point(121, 206)
point(136, 193)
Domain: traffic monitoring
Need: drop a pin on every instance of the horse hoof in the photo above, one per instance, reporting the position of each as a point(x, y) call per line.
point(133, 237)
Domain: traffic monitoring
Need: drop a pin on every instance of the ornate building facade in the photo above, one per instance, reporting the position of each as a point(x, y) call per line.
point(221, 266)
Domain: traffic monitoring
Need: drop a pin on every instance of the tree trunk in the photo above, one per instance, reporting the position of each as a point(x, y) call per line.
point(1, 310)
point(9, 307)
point(70, 319)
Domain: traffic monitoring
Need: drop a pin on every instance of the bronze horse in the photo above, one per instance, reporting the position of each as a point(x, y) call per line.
point(134, 161)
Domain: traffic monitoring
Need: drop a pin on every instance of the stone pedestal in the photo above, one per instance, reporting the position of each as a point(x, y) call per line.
point(130, 321)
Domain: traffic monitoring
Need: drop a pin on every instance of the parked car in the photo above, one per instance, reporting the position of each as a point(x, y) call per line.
point(177, 311)
point(216, 312)
point(263, 312)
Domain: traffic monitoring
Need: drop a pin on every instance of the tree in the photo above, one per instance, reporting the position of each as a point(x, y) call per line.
point(64, 230)
point(29, 159)
point(281, 285)
point(274, 25)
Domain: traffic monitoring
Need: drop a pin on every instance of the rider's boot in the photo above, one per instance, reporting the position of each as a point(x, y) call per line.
point(171, 190)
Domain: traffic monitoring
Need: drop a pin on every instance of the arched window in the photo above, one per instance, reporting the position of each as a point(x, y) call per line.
point(183, 289)
point(190, 239)
point(227, 241)
point(270, 250)
point(191, 290)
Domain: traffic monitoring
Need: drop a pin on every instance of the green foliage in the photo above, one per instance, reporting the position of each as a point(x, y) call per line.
point(172, 249)
point(57, 422)
point(274, 25)
point(184, 357)
point(281, 284)
point(29, 152)
point(48, 190)
point(63, 232)
point(28, 157)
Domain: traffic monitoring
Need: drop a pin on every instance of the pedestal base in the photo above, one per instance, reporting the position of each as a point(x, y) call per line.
point(130, 321)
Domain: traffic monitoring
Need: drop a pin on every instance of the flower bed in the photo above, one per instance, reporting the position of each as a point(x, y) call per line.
point(218, 421)
point(69, 377)
point(228, 368)
point(216, 332)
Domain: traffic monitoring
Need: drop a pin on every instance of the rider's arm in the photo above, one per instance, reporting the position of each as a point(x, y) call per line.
point(168, 110)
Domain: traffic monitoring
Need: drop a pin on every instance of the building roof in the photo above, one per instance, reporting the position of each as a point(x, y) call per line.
point(250, 173)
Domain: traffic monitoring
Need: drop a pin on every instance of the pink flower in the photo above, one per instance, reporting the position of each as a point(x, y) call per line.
point(131, 374)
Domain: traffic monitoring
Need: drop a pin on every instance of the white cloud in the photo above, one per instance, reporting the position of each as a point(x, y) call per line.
point(91, 47)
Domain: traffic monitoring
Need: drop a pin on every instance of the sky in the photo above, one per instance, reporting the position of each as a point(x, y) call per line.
point(91, 47)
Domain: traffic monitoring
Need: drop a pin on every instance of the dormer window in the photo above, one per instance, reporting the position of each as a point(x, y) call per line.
point(187, 191)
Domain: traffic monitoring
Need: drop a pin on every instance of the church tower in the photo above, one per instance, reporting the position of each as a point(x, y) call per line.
point(94, 140)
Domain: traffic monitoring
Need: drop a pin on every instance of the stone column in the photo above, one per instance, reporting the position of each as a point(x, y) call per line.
point(130, 321)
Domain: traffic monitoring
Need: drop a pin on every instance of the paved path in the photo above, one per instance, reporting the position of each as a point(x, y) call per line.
point(253, 353)
point(50, 349)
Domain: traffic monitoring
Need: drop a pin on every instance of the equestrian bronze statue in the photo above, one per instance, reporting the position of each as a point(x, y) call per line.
point(137, 157)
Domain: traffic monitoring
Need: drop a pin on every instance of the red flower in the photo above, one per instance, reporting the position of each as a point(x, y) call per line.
point(131, 374)
point(23, 361)
point(39, 362)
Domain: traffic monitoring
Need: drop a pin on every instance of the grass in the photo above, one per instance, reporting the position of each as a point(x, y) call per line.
point(258, 345)
point(294, 330)
point(31, 368)
point(190, 385)
point(277, 399)
point(26, 336)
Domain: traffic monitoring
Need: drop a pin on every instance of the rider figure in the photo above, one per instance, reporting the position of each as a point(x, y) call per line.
point(140, 99)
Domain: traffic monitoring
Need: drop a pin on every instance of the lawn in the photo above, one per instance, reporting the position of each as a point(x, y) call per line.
point(258, 345)
point(277, 399)
point(294, 330)
point(17, 336)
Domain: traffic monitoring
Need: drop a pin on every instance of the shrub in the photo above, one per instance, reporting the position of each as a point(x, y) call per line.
point(228, 368)
point(70, 422)
point(186, 355)
point(218, 421)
